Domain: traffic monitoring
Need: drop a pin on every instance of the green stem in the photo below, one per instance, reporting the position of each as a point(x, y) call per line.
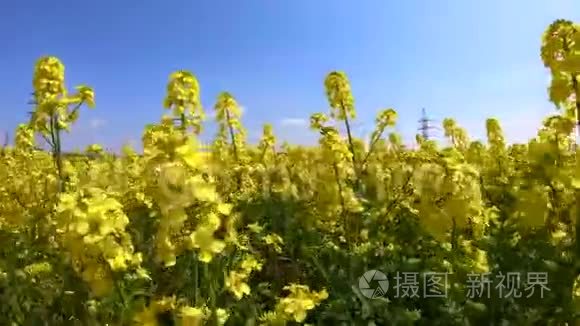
point(352, 149)
point(374, 141)
point(346, 221)
point(349, 134)
point(453, 233)
point(232, 135)
point(212, 296)
point(234, 147)
point(183, 126)
point(124, 301)
point(577, 191)
point(195, 281)
point(56, 149)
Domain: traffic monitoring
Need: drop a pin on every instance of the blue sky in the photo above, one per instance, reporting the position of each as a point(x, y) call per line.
point(464, 59)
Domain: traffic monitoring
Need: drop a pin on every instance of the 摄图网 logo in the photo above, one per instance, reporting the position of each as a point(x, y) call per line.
point(373, 284)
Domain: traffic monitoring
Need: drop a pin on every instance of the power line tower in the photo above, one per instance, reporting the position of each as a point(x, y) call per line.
point(426, 125)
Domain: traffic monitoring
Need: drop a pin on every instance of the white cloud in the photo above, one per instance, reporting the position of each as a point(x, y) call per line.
point(97, 123)
point(294, 122)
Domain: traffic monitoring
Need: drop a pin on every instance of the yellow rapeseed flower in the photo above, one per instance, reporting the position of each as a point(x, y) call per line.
point(249, 264)
point(208, 246)
point(146, 317)
point(275, 241)
point(191, 316)
point(300, 301)
point(235, 283)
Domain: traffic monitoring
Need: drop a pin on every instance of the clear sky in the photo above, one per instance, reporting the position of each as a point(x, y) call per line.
point(457, 58)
